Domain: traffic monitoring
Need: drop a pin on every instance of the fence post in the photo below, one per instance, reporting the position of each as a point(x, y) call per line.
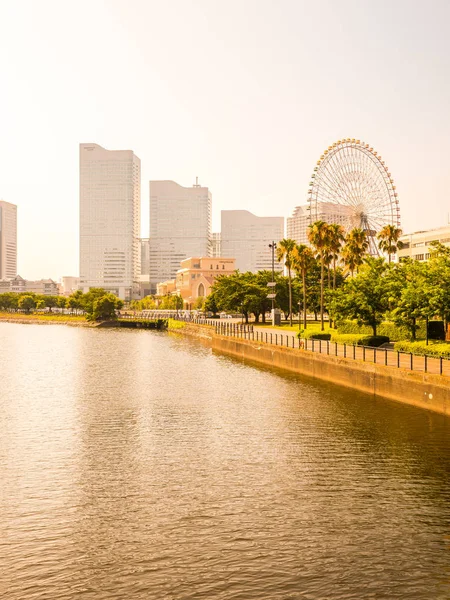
point(374, 355)
point(412, 369)
point(328, 347)
point(312, 343)
point(276, 339)
point(354, 351)
point(320, 346)
point(425, 363)
point(364, 353)
point(385, 357)
point(398, 359)
point(335, 349)
point(271, 339)
point(306, 343)
point(440, 365)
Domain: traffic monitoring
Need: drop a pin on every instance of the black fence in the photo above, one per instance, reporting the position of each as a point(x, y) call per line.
point(384, 356)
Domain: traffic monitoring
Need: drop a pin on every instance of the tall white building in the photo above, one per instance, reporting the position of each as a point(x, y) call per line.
point(246, 238)
point(8, 240)
point(216, 248)
point(110, 197)
point(180, 227)
point(297, 225)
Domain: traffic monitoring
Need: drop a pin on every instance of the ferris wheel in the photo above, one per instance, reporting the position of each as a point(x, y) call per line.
point(351, 185)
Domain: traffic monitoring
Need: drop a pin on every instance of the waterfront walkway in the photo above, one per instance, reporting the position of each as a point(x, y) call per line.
point(382, 356)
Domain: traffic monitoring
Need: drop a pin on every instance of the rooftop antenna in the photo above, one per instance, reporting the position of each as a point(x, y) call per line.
point(196, 184)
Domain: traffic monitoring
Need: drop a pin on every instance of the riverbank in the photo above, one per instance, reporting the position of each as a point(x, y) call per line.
point(75, 321)
point(420, 389)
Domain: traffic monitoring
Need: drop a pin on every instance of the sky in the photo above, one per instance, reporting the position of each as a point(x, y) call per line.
point(244, 94)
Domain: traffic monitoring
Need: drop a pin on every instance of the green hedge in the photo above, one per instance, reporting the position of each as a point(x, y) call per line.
point(393, 332)
point(360, 339)
point(311, 334)
point(420, 348)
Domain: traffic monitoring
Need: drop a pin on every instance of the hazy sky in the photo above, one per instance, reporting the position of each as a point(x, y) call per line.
point(245, 94)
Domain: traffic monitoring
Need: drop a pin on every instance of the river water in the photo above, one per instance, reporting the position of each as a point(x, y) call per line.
point(136, 464)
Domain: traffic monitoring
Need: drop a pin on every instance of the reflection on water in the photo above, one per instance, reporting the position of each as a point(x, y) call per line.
point(136, 464)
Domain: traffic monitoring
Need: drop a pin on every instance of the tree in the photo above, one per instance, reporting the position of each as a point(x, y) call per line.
point(363, 297)
point(27, 303)
point(388, 240)
point(285, 251)
point(355, 247)
point(50, 302)
point(319, 236)
point(105, 307)
point(171, 302)
point(302, 261)
point(337, 236)
point(409, 293)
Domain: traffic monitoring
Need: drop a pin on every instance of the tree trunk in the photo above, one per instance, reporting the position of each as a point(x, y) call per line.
point(322, 327)
point(290, 296)
point(304, 298)
point(334, 272)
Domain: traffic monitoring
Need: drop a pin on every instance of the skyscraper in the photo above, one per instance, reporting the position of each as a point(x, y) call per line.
point(246, 238)
point(8, 240)
point(297, 225)
point(110, 196)
point(180, 227)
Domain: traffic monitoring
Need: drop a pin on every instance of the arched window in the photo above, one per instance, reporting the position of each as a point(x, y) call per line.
point(201, 290)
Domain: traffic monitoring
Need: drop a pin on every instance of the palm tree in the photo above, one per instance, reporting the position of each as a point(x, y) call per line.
point(302, 261)
point(319, 235)
point(285, 251)
point(388, 240)
point(337, 236)
point(355, 247)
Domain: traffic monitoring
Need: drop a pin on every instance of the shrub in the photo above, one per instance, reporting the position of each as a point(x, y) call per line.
point(391, 330)
point(360, 339)
point(421, 349)
point(306, 334)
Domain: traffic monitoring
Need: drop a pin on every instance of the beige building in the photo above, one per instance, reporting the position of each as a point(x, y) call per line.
point(297, 225)
point(180, 226)
point(196, 276)
point(69, 285)
point(216, 246)
point(166, 288)
point(44, 287)
point(417, 245)
point(110, 197)
point(247, 237)
point(8, 240)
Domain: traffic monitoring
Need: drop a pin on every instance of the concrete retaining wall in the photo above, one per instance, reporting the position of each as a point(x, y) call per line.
point(419, 389)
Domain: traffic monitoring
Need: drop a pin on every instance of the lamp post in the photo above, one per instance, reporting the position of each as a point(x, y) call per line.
point(273, 246)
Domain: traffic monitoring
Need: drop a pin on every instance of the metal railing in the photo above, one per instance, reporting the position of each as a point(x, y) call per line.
point(384, 356)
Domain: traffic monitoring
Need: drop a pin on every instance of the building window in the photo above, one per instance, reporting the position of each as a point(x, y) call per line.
point(223, 267)
point(201, 290)
point(419, 257)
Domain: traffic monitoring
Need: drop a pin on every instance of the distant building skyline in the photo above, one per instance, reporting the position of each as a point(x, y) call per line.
point(297, 224)
point(180, 227)
point(246, 237)
point(110, 204)
point(8, 240)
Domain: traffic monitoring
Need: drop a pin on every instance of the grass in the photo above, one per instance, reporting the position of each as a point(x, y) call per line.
point(312, 326)
point(41, 317)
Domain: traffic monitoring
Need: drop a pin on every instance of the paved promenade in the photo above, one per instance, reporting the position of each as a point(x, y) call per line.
point(382, 356)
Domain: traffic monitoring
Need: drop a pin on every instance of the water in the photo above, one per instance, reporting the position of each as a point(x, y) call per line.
point(136, 464)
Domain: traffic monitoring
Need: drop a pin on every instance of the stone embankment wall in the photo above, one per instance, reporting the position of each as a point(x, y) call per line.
point(418, 389)
point(205, 332)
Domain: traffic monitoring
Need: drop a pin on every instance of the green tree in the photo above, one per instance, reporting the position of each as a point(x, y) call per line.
point(285, 251)
point(302, 262)
point(363, 297)
point(27, 303)
point(388, 240)
point(337, 236)
point(104, 307)
point(319, 237)
point(355, 248)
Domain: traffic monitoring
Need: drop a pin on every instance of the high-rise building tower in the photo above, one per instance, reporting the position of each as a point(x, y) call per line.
point(180, 227)
point(246, 238)
point(110, 197)
point(8, 240)
point(298, 225)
